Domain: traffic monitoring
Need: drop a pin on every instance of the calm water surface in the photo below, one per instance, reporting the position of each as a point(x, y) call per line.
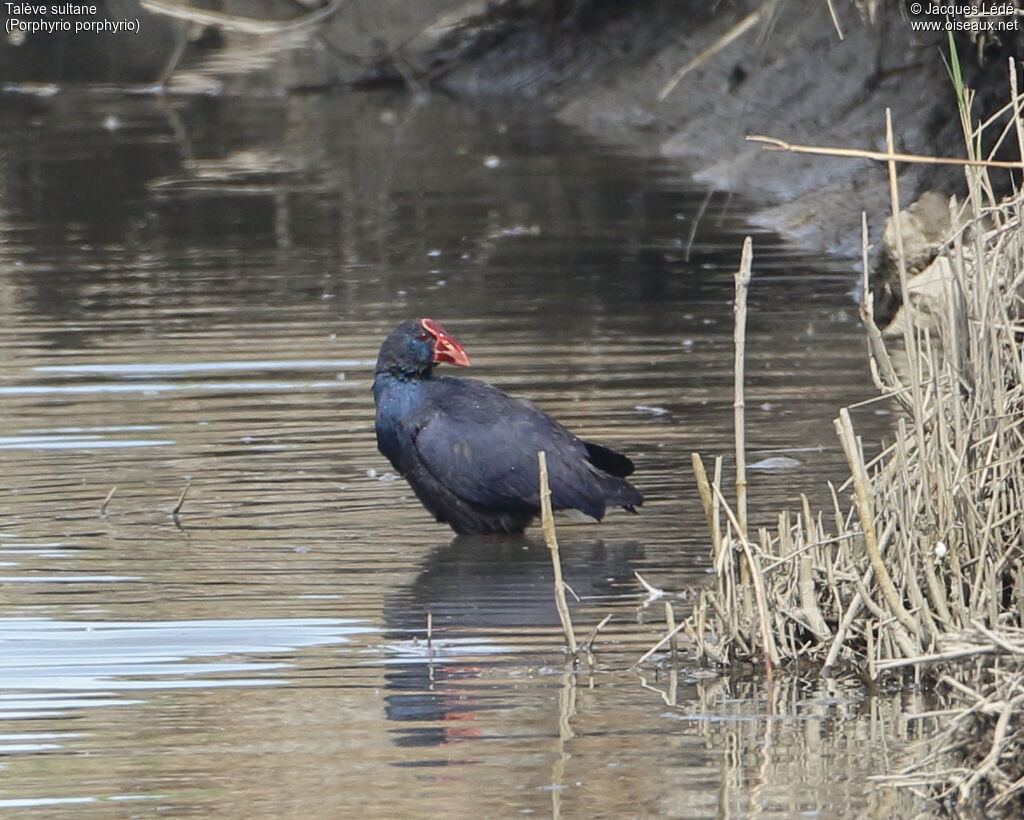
point(192, 294)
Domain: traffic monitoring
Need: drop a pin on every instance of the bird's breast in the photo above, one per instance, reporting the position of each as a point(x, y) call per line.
point(398, 404)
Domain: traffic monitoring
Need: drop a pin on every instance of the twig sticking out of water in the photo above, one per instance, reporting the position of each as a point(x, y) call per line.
point(180, 504)
point(548, 526)
point(664, 640)
point(670, 623)
point(653, 593)
point(587, 647)
point(588, 642)
point(106, 501)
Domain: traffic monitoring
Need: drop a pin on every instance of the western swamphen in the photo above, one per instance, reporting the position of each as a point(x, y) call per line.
point(469, 451)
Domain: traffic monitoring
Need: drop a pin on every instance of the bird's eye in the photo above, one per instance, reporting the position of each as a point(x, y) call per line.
point(423, 336)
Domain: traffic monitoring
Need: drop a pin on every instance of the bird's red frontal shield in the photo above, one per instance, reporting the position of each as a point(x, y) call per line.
point(446, 349)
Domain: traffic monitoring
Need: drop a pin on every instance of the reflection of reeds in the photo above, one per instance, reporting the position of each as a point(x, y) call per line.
point(921, 569)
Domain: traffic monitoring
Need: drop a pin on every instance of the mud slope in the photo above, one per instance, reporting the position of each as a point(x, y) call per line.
point(788, 75)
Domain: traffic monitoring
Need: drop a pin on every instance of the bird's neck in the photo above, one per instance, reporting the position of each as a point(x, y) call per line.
point(401, 372)
point(397, 379)
point(395, 396)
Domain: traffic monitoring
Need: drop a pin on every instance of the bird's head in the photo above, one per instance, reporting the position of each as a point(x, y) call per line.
point(414, 347)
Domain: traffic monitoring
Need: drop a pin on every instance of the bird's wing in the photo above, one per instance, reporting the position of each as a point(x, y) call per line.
point(606, 459)
point(492, 461)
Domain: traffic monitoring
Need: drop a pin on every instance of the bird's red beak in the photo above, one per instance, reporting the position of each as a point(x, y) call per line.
point(446, 349)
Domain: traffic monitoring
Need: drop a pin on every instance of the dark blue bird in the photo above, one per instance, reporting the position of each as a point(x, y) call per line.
point(469, 451)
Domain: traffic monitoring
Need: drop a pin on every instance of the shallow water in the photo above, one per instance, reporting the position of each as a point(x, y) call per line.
point(193, 291)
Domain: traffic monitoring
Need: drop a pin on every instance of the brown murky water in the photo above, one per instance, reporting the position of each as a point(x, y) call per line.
point(192, 293)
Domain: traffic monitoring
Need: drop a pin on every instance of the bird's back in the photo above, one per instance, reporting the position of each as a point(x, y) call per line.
point(466, 446)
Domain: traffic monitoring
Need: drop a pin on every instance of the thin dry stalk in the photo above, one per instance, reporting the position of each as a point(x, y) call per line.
point(835, 20)
point(106, 501)
point(851, 446)
point(773, 144)
point(707, 500)
point(548, 527)
point(753, 572)
point(808, 597)
point(588, 642)
point(180, 502)
point(664, 640)
point(739, 400)
point(670, 624)
point(738, 30)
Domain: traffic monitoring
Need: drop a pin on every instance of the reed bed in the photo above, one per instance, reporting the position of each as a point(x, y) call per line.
point(914, 573)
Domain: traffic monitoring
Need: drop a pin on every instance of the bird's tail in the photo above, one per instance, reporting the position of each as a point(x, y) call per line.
point(620, 493)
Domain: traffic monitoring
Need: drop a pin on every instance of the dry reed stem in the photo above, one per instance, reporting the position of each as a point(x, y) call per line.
point(882, 369)
point(738, 30)
point(808, 597)
point(664, 640)
point(180, 502)
point(771, 657)
point(1015, 102)
point(106, 501)
point(739, 400)
point(588, 642)
point(774, 144)
point(548, 527)
point(851, 446)
point(835, 20)
point(707, 500)
point(670, 624)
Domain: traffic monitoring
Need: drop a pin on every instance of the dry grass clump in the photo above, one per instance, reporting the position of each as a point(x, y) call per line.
point(975, 762)
point(918, 563)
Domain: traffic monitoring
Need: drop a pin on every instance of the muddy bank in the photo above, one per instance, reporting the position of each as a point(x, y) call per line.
point(790, 77)
point(786, 74)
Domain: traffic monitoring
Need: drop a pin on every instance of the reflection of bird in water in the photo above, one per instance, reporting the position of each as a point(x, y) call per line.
point(485, 589)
